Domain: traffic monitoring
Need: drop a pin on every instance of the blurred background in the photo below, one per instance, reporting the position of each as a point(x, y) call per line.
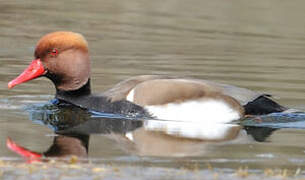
point(258, 45)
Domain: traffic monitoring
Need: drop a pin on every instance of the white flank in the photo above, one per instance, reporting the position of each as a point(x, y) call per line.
point(191, 130)
point(205, 119)
point(208, 111)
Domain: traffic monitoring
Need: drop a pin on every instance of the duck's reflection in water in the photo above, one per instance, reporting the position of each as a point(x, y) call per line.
point(73, 127)
point(68, 144)
point(64, 145)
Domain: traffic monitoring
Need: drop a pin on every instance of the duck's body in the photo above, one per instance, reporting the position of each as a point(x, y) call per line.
point(63, 58)
point(174, 98)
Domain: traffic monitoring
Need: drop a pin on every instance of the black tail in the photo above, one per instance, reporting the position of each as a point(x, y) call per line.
point(263, 105)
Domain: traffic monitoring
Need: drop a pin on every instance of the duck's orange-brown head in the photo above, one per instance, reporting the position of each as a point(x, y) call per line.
point(62, 57)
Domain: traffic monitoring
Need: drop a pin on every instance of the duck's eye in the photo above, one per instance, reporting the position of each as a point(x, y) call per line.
point(53, 52)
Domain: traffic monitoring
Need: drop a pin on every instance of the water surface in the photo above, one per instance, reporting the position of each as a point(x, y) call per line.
point(258, 45)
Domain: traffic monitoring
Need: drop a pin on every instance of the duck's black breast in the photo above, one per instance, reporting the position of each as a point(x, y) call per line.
point(83, 98)
point(104, 105)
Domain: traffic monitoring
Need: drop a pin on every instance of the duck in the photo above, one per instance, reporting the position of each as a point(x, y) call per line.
point(63, 57)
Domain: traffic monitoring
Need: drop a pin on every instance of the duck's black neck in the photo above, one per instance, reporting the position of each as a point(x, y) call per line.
point(81, 92)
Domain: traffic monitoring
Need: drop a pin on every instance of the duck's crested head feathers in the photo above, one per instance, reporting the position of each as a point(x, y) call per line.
point(62, 40)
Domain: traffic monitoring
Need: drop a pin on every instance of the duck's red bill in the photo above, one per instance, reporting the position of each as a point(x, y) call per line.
point(34, 70)
point(29, 155)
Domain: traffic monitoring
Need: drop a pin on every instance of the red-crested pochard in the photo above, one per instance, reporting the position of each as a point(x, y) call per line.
point(63, 57)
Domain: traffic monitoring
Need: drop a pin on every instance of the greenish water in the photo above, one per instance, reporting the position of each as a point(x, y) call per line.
point(258, 45)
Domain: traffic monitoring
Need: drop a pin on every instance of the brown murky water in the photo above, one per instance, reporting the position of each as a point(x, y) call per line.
point(259, 45)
